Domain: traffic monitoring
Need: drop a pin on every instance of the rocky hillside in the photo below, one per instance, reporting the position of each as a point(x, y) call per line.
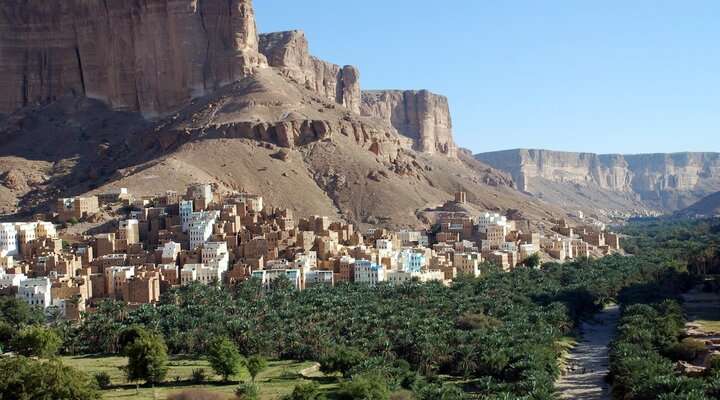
point(707, 207)
point(662, 182)
point(157, 94)
point(419, 115)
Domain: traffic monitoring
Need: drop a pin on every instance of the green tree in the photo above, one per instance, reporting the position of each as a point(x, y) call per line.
point(147, 359)
point(341, 359)
point(224, 358)
point(255, 365)
point(128, 336)
point(364, 387)
point(26, 379)
point(17, 312)
point(533, 261)
point(36, 341)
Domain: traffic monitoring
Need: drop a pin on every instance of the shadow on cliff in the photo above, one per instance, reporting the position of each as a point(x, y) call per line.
point(74, 145)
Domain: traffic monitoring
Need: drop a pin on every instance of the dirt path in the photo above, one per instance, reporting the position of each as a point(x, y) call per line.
point(588, 361)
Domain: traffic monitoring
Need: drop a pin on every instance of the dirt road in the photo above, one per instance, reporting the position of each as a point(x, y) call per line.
point(588, 361)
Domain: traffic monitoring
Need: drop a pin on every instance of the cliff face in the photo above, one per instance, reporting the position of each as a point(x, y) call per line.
point(289, 52)
point(150, 56)
point(663, 181)
point(419, 115)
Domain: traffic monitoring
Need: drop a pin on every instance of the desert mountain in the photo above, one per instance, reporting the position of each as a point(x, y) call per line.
point(171, 92)
point(633, 183)
point(707, 207)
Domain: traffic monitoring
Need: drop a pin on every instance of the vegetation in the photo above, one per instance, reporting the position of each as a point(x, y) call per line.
point(26, 379)
point(225, 358)
point(255, 365)
point(147, 359)
point(36, 341)
point(496, 336)
point(649, 341)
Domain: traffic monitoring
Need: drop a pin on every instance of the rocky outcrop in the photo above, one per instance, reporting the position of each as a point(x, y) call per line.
point(420, 115)
point(664, 181)
point(289, 52)
point(150, 56)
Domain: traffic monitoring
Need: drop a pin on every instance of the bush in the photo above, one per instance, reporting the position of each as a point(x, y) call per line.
point(24, 378)
point(686, 350)
point(306, 391)
point(103, 380)
point(364, 387)
point(247, 391)
point(198, 375)
point(37, 341)
point(341, 359)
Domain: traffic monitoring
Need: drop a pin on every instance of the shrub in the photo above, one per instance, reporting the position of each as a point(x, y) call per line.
point(306, 391)
point(364, 387)
point(37, 341)
point(24, 378)
point(341, 359)
point(103, 380)
point(247, 391)
point(686, 350)
point(198, 375)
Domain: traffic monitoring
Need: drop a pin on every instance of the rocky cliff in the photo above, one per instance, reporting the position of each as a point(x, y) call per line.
point(150, 56)
point(289, 52)
point(662, 181)
point(419, 115)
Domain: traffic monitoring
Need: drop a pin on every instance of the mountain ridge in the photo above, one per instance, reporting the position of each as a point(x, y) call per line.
point(657, 182)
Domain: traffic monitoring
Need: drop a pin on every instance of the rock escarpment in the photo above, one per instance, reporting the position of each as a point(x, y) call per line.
point(420, 115)
point(150, 56)
point(663, 181)
point(289, 52)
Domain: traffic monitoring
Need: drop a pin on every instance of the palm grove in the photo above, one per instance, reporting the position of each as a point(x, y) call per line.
point(496, 337)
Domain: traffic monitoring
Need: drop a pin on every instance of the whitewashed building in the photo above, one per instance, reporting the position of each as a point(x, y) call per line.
point(8, 239)
point(215, 255)
point(369, 272)
point(199, 273)
point(35, 292)
point(201, 227)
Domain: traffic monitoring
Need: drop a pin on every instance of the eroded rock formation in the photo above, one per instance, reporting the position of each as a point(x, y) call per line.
point(150, 56)
point(289, 52)
point(420, 115)
point(666, 181)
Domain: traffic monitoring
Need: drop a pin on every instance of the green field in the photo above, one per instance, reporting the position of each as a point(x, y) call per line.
point(277, 380)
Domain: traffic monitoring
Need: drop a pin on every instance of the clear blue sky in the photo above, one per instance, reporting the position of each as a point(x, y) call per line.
point(610, 76)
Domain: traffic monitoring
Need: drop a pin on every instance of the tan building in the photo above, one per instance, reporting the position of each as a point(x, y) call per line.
point(142, 288)
point(77, 208)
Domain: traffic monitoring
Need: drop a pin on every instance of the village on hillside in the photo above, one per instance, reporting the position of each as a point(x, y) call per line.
point(151, 244)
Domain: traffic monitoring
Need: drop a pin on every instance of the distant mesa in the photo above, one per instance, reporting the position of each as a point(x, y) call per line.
point(661, 182)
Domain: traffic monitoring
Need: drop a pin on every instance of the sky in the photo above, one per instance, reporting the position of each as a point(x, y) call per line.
point(605, 76)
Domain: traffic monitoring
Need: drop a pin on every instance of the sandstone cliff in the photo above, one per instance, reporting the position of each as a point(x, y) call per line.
point(150, 56)
point(662, 181)
point(419, 115)
point(289, 52)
